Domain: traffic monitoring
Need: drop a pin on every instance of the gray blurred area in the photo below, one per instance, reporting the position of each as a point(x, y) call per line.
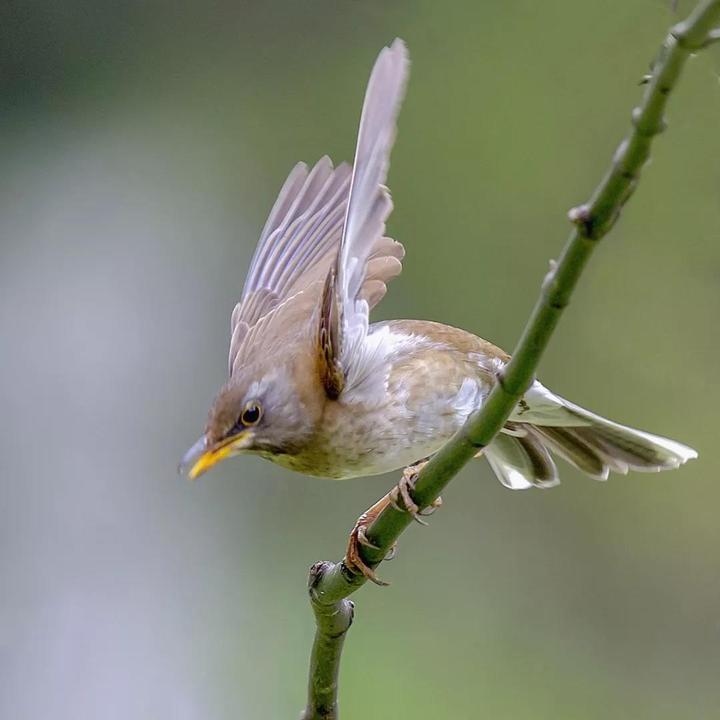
point(142, 145)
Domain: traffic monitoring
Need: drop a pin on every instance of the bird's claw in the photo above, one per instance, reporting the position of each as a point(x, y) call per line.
point(353, 560)
point(430, 509)
point(361, 535)
point(401, 497)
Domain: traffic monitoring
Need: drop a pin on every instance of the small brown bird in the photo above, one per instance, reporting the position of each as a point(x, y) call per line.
point(315, 388)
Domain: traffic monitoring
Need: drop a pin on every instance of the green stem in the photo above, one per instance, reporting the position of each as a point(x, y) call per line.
point(333, 621)
point(332, 583)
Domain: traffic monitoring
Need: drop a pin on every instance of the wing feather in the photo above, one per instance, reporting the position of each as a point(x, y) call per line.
point(303, 230)
point(328, 219)
point(362, 247)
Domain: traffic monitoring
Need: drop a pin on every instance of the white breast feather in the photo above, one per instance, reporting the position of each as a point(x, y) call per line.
point(367, 377)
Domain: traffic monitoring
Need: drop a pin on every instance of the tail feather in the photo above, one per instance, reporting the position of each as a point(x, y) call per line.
point(521, 460)
point(594, 445)
point(640, 450)
point(574, 450)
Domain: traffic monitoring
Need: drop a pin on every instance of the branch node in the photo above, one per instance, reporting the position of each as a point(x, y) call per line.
point(682, 35)
point(317, 570)
point(583, 219)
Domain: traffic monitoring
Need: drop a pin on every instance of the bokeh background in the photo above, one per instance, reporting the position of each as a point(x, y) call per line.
point(142, 145)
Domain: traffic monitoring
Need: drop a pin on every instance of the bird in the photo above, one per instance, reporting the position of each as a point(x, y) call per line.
point(316, 388)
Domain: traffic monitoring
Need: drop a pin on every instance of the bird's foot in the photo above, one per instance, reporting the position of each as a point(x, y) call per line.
point(402, 493)
point(400, 497)
point(353, 559)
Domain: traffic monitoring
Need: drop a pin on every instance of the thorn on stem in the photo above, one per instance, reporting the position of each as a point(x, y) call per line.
point(712, 37)
point(579, 215)
point(582, 217)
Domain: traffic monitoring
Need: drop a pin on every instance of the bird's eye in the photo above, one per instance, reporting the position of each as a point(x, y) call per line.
point(251, 414)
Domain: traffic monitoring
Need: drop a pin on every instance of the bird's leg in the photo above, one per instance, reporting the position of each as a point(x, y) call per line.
point(400, 498)
point(353, 561)
point(403, 492)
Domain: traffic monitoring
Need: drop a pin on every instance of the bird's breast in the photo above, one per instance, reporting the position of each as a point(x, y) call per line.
point(428, 391)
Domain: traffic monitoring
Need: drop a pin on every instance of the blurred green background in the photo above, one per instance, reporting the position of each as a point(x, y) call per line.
point(142, 145)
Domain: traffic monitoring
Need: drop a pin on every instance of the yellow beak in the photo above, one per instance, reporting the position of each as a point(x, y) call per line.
point(199, 458)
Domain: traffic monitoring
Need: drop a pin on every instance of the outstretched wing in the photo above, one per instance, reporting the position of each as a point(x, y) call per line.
point(345, 355)
point(297, 245)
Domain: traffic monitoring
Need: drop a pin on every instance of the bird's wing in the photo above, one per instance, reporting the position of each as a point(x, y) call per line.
point(348, 295)
point(296, 245)
point(301, 240)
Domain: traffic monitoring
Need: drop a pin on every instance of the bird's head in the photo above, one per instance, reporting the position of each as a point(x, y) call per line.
point(258, 411)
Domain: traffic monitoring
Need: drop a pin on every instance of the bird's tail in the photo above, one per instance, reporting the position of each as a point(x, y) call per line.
point(521, 456)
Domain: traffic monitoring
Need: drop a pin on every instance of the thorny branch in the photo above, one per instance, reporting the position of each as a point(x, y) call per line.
point(331, 583)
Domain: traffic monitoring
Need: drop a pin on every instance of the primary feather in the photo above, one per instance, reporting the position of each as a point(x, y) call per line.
point(368, 208)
